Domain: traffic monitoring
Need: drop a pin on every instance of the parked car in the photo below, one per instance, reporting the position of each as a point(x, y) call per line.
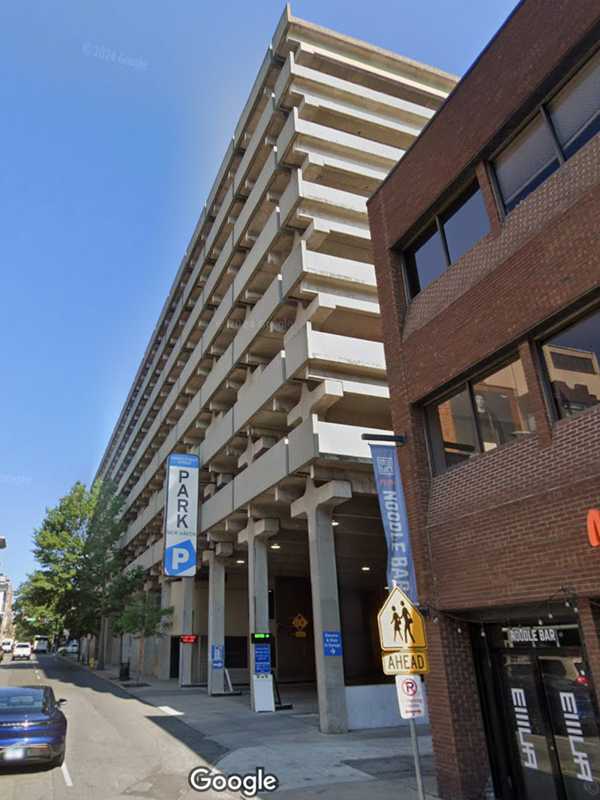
point(22, 650)
point(32, 726)
point(6, 646)
point(69, 649)
point(40, 644)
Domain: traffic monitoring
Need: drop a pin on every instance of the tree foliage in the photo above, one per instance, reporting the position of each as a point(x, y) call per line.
point(142, 617)
point(80, 577)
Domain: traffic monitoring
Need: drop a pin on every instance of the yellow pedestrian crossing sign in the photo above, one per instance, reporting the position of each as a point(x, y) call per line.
point(401, 624)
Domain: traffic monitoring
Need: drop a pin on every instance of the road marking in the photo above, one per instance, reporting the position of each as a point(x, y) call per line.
point(171, 711)
point(66, 775)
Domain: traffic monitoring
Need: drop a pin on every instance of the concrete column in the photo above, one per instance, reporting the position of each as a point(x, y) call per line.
point(317, 505)
point(256, 536)
point(187, 626)
point(164, 646)
point(105, 643)
point(216, 621)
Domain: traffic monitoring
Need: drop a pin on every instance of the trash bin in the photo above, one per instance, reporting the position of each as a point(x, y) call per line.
point(124, 671)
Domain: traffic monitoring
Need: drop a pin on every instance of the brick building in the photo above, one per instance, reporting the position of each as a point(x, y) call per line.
point(487, 251)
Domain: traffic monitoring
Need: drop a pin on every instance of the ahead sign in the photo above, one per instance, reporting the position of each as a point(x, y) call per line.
point(405, 662)
point(401, 624)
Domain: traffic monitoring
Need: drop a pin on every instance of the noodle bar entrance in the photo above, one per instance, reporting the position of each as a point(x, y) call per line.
point(540, 712)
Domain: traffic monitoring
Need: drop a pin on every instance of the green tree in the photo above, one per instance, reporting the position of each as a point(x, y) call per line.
point(32, 613)
point(102, 585)
point(58, 549)
point(143, 617)
point(80, 581)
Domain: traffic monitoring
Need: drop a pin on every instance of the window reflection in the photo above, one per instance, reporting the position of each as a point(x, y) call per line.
point(426, 262)
point(572, 360)
point(466, 225)
point(457, 429)
point(502, 406)
point(481, 416)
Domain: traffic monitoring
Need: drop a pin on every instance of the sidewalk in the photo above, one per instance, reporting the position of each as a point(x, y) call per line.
point(289, 745)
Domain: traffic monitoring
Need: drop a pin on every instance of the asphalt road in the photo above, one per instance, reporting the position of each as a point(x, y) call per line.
point(117, 746)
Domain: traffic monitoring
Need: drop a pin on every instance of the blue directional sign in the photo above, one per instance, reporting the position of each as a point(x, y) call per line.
point(262, 659)
point(216, 656)
point(332, 643)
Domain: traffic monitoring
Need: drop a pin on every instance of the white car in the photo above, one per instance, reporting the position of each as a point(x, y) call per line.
point(7, 646)
point(22, 650)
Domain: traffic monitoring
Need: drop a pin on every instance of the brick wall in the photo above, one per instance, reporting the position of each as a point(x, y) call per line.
point(540, 40)
point(506, 528)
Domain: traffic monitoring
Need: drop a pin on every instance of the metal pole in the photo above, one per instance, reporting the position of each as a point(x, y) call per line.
point(415, 747)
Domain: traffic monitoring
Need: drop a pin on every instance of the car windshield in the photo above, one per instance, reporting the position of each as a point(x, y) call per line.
point(22, 699)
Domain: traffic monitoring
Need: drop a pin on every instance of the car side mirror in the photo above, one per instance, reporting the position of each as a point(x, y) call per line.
point(61, 701)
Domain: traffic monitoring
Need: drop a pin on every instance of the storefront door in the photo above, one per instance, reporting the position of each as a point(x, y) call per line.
point(550, 722)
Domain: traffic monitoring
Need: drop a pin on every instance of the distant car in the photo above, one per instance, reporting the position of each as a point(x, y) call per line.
point(32, 726)
point(69, 649)
point(6, 646)
point(22, 650)
point(40, 644)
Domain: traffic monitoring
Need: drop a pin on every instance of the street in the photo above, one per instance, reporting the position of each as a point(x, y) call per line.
point(117, 746)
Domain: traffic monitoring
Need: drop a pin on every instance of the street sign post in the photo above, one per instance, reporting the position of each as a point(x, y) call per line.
point(401, 625)
point(404, 645)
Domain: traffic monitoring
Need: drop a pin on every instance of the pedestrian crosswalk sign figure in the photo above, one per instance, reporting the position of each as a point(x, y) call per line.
point(401, 624)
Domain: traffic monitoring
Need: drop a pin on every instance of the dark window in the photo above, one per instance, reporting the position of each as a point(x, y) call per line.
point(572, 362)
point(480, 416)
point(526, 162)
point(466, 225)
point(570, 120)
point(426, 261)
point(236, 652)
point(446, 240)
point(575, 111)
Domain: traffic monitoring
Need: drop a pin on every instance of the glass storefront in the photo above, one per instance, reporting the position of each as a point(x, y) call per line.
point(541, 713)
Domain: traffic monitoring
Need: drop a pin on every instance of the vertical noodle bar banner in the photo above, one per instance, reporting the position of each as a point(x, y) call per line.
point(392, 504)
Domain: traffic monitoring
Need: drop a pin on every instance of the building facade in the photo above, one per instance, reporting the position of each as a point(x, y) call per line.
point(487, 252)
point(6, 608)
point(268, 363)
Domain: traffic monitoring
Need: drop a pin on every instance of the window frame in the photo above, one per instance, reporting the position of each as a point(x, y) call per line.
point(541, 112)
point(435, 224)
point(467, 383)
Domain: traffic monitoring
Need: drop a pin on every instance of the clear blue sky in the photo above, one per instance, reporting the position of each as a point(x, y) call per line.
point(115, 117)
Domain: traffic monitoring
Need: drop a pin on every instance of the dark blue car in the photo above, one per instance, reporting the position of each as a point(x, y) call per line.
point(33, 729)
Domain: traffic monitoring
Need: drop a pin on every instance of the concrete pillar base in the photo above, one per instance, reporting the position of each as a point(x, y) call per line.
point(216, 624)
point(317, 506)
